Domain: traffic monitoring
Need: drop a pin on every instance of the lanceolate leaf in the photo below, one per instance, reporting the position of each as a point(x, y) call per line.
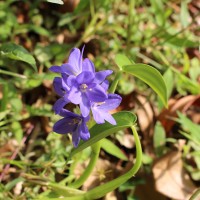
point(121, 60)
point(99, 131)
point(151, 77)
point(16, 52)
point(112, 149)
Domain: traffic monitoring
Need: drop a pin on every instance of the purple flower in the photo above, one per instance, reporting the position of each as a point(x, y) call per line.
point(84, 90)
point(74, 124)
point(62, 90)
point(74, 65)
point(101, 110)
point(80, 83)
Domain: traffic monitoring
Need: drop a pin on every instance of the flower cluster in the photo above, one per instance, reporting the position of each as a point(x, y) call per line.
point(81, 85)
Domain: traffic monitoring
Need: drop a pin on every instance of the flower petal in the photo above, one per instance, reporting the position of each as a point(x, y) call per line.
point(84, 133)
point(67, 113)
point(59, 104)
point(109, 118)
point(76, 137)
point(97, 94)
point(85, 106)
point(105, 85)
point(64, 126)
point(55, 69)
point(97, 116)
point(57, 84)
point(85, 77)
point(101, 75)
point(69, 69)
point(100, 116)
point(111, 103)
point(74, 95)
point(74, 60)
point(71, 81)
point(88, 65)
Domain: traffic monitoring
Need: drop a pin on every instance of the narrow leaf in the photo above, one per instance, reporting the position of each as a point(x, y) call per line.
point(184, 15)
point(99, 131)
point(13, 183)
point(151, 77)
point(63, 190)
point(16, 52)
point(121, 60)
point(112, 149)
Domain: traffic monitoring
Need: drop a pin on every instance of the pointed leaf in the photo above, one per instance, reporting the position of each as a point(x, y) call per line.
point(16, 52)
point(150, 76)
point(124, 119)
point(121, 60)
point(112, 149)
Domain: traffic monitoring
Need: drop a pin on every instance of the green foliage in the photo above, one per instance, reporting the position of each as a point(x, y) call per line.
point(150, 76)
point(159, 140)
point(16, 52)
point(99, 131)
point(192, 128)
point(112, 149)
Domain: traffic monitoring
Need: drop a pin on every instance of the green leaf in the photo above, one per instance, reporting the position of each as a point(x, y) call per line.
point(64, 191)
point(159, 11)
point(169, 80)
point(112, 149)
point(121, 60)
point(124, 119)
point(159, 139)
point(150, 76)
point(13, 183)
point(25, 28)
point(16, 128)
point(184, 15)
point(56, 1)
point(16, 52)
point(190, 126)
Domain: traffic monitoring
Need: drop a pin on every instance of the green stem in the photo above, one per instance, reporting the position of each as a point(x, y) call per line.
point(195, 195)
point(4, 100)
point(102, 190)
point(92, 8)
point(12, 74)
point(115, 82)
point(94, 157)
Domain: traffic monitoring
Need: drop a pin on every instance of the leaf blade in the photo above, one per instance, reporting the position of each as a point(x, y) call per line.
point(121, 60)
point(124, 119)
point(16, 52)
point(150, 76)
point(112, 149)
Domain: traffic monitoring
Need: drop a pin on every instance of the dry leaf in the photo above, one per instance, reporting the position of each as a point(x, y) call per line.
point(171, 178)
point(183, 105)
point(126, 140)
point(145, 113)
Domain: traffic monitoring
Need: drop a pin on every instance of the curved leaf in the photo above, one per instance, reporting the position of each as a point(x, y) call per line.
point(16, 52)
point(121, 60)
point(124, 119)
point(150, 76)
point(112, 149)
